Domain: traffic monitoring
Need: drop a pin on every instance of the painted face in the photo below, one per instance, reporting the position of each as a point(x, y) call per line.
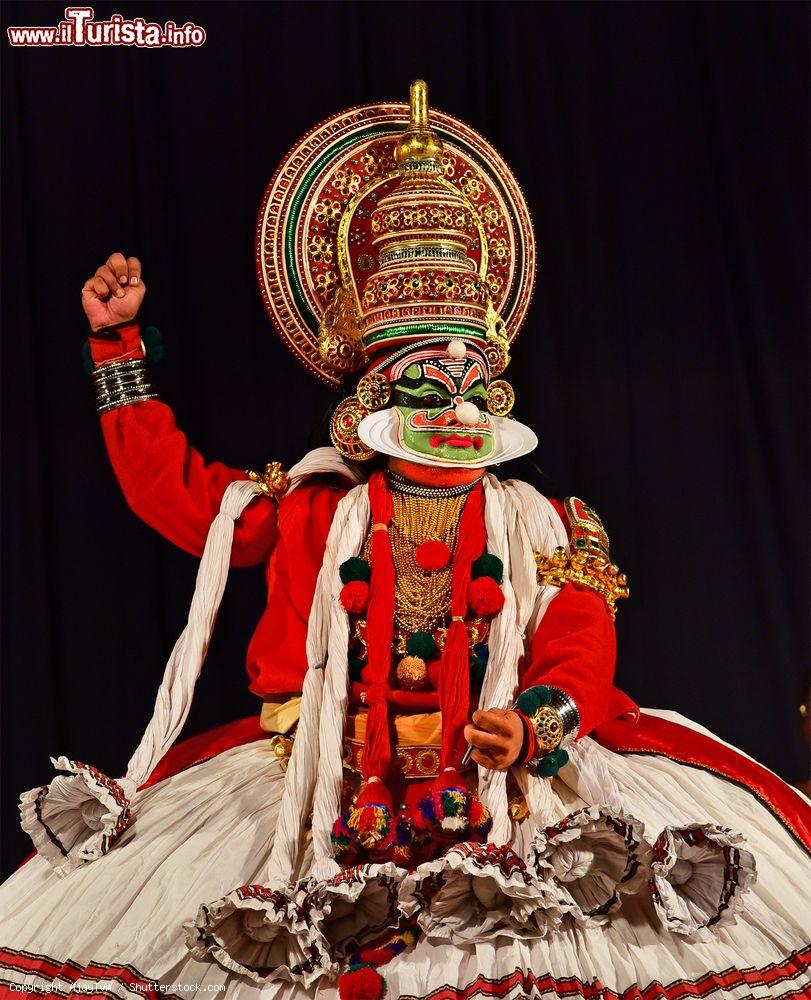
point(424, 399)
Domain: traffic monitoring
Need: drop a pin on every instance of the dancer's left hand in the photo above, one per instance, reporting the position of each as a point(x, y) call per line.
point(497, 736)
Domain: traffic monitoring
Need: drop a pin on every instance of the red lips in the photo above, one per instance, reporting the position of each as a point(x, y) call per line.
point(456, 441)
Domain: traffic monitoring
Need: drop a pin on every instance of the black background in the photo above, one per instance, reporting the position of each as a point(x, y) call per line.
point(663, 151)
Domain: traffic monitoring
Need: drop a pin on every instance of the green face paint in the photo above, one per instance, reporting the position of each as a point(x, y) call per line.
point(425, 398)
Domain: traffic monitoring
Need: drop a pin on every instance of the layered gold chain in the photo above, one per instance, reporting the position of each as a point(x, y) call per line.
point(422, 598)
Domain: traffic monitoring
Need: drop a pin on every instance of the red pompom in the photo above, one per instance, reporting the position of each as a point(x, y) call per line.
point(364, 983)
point(485, 597)
point(432, 555)
point(355, 596)
point(477, 814)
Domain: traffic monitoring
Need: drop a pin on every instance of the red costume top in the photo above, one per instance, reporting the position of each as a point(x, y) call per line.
point(173, 489)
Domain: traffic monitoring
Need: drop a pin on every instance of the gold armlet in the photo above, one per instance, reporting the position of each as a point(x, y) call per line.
point(588, 570)
point(273, 482)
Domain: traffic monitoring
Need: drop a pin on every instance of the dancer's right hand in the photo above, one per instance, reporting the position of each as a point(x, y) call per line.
point(114, 293)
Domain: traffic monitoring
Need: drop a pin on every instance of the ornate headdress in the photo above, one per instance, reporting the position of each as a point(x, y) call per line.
point(383, 231)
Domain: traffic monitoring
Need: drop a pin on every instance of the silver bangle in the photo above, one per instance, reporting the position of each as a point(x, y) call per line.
point(569, 713)
point(122, 383)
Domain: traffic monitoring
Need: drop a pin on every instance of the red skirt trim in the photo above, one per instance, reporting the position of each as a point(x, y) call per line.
point(652, 735)
point(518, 984)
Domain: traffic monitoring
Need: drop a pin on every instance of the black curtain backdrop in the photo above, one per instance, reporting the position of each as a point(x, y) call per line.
point(663, 150)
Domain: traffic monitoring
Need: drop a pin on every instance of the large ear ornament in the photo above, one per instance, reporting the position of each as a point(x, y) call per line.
point(374, 391)
point(343, 430)
point(500, 398)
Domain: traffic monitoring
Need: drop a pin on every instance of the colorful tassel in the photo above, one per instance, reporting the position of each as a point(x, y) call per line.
point(344, 845)
point(452, 810)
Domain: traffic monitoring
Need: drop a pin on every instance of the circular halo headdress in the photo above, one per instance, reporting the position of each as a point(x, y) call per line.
point(381, 229)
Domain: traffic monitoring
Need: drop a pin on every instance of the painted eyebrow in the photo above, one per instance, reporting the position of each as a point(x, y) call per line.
point(473, 373)
point(418, 383)
point(433, 372)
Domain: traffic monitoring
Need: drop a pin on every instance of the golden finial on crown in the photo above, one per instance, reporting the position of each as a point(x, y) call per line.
point(419, 142)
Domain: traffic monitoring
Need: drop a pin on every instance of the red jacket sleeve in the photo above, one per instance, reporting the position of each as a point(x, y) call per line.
point(165, 480)
point(277, 658)
point(575, 649)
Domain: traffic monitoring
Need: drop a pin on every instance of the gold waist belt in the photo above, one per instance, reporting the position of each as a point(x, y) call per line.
point(418, 743)
point(418, 738)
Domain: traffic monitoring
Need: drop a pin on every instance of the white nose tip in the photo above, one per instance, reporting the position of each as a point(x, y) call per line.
point(467, 413)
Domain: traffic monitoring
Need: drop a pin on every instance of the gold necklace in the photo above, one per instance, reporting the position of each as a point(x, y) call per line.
point(422, 597)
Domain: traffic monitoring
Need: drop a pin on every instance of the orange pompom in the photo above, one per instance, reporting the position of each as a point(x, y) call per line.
point(485, 597)
point(412, 673)
point(355, 596)
point(432, 555)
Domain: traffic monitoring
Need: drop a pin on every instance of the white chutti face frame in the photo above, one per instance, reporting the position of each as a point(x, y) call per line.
point(381, 431)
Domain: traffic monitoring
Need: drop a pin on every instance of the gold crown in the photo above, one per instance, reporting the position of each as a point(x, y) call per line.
point(587, 569)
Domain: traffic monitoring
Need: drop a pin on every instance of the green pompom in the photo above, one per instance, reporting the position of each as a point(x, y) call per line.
point(153, 344)
point(421, 644)
point(530, 701)
point(87, 359)
point(488, 565)
point(355, 569)
point(356, 665)
point(477, 669)
point(547, 767)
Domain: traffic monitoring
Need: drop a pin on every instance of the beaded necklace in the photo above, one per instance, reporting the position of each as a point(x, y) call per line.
point(422, 598)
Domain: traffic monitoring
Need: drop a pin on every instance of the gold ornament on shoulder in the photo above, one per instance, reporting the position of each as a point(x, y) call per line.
point(274, 482)
point(586, 569)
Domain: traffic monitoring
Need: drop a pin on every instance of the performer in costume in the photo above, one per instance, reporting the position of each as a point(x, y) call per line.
point(446, 795)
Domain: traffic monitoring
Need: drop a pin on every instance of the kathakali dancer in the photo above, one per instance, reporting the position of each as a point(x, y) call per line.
point(445, 794)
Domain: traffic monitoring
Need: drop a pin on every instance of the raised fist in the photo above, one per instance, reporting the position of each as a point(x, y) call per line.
point(115, 292)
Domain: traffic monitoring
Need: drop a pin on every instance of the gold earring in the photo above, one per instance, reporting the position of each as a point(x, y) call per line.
point(500, 398)
point(374, 391)
point(343, 430)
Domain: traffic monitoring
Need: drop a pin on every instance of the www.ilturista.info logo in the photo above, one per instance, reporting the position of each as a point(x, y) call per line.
point(79, 28)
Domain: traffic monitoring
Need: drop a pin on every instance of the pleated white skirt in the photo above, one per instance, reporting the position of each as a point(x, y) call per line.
point(116, 926)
